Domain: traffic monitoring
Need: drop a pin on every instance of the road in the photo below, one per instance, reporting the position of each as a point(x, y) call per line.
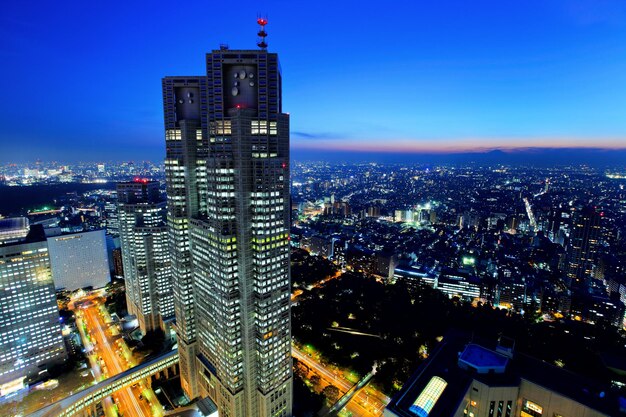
point(111, 356)
point(367, 402)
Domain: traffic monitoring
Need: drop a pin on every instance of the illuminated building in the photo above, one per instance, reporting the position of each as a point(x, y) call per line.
point(583, 244)
point(458, 283)
point(30, 333)
point(118, 263)
point(478, 379)
point(511, 292)
point(227, 173)
point(415, 276)
point(145, 253)
point(112, 221)
point(79, 260)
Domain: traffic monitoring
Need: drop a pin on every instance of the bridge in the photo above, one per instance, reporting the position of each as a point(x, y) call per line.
point(84, 403)
point(343, 401)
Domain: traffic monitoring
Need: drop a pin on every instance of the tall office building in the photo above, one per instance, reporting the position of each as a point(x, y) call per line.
point(583, 244)
point(30, 332)
point(145, 253)
point(227, 172)
point(112, 221)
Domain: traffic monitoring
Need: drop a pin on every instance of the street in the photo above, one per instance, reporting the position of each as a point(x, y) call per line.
point(367, 402)
point(109, 355)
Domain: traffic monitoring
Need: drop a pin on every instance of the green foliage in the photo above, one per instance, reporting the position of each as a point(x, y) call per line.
point(405, 321)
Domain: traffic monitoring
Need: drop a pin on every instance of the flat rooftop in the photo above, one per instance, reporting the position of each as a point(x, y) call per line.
point(479, 358)
point(439, 385)
point(13, 223)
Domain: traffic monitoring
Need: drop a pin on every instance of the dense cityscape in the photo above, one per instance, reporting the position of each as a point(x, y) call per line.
point(531, 254)
point(432, 234)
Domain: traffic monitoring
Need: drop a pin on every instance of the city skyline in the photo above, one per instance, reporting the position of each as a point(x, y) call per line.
point(417, 210)
point(450, 79)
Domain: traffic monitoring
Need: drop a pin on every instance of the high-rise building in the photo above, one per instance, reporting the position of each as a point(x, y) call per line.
point(145, 253)
point(112, 221)
point(118, 263)
point(79, 260)
point(583, 244)
point(30, 331)
point(227, 173)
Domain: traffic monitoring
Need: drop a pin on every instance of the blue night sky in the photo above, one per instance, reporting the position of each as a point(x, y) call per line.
point(81, 80)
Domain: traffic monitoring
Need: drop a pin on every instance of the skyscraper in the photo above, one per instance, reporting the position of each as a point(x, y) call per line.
point(30, 332)
point(583, 244)
point(145, 253)
point(227, 172)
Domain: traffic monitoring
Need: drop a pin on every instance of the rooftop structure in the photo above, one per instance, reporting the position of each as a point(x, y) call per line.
point(13, 229)
point(469, 378)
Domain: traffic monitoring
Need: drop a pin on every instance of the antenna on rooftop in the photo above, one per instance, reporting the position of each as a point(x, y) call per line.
point(262, 21)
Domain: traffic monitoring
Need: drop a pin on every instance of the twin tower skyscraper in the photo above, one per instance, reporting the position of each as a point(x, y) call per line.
point(228, 216)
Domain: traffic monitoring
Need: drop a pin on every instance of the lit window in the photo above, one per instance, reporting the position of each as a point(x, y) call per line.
point(531, 409)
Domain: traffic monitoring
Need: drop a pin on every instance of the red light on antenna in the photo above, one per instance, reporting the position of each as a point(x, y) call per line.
point(284, 165)
point(238, 106)
point(262, 21)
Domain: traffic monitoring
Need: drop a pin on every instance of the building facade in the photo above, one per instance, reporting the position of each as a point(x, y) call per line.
point(30, 331)
point(583, 245)
point(145, 253)
point(227, 172)
point(79, 260)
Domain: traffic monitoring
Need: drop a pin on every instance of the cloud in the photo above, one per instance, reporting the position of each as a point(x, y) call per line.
point(317, 135)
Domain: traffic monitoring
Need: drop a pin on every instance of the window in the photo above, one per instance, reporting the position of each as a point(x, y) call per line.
point(172, 134)
point(258, 127)
point(531, 409)
point(492, 408)
point(509, 407)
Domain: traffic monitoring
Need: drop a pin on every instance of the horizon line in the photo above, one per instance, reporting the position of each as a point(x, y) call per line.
point(412, 147)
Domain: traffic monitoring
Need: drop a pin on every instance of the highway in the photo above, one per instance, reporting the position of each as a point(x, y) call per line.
point(367, 402)
point(112, 357)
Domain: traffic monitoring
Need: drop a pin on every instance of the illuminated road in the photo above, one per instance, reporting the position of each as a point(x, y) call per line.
point(319, 284)
point(367, 402)
point(112, 357)
point(531, 216)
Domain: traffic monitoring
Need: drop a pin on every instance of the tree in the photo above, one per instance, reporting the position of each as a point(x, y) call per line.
point(331, 392)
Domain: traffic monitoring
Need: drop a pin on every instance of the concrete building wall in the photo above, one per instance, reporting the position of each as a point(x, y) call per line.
point(79, 260)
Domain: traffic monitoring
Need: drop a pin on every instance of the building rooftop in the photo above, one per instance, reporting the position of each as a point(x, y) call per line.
point(34, 233)
point(13, 228)
point(459, 360)
point(482, 359)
